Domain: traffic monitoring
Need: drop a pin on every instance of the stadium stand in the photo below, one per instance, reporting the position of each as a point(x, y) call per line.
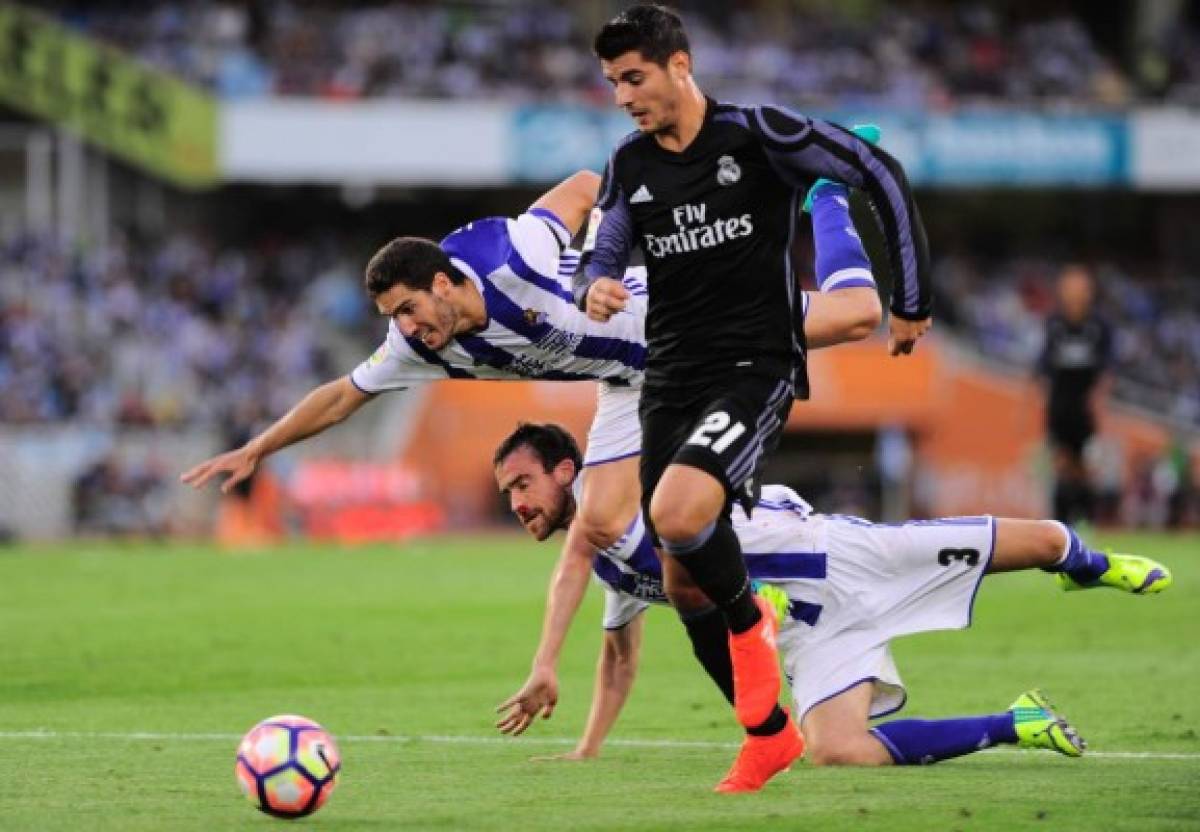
point(930, 56)
point(1000, 307)
point(170, 332)
point(125, 326)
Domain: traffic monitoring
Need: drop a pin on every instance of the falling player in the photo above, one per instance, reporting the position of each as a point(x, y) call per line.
point(842, 588)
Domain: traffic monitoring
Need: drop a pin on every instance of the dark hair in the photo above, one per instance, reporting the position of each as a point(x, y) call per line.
point(411, 261)
point(550, 443)
point(653, 30)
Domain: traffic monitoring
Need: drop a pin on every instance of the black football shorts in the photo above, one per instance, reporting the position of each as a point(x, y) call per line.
point(725, 428)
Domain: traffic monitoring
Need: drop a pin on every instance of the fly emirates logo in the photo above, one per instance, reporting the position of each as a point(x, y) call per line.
point(695, 233)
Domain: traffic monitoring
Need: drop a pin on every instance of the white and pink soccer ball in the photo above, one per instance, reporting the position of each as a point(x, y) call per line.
point(287, 766)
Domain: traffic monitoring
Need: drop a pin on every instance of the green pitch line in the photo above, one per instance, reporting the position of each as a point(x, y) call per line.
point(451, 739)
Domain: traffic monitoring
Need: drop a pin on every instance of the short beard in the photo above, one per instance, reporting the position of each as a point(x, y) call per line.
point(562, 518)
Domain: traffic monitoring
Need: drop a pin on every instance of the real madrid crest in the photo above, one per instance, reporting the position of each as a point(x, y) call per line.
point(728, 171)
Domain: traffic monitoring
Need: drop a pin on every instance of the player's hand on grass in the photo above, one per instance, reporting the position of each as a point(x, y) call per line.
point(903, 335)
point(605, 298)
point(237, 465)
point(537, 696)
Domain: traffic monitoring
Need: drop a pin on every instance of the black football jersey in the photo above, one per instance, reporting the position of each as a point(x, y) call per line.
point(715, 223)
point(1073, 358)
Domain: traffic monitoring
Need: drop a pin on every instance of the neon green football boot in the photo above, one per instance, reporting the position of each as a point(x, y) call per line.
point(776, 597)
point(867, 132)
point(1128, 573)
point(1039, 726)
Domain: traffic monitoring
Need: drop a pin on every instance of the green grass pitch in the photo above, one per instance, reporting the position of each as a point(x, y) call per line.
point(127, 674)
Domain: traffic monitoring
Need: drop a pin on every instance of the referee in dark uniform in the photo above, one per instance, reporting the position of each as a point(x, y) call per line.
point(711, 192)
point(1074, 363)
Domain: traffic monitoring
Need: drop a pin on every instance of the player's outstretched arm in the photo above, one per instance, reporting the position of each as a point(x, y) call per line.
point(324, 407)
point(616, 671)
point(606, 250)
point(539, 694)
point(571, 199)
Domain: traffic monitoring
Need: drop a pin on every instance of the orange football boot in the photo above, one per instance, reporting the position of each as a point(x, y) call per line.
point(761, 758)
point(756, 679)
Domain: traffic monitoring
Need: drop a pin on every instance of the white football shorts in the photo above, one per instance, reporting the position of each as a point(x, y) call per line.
point(882, 581)
point(616, 432)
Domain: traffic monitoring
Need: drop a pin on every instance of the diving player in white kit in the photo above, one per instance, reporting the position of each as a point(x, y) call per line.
point(843, 588)
point(491, 301)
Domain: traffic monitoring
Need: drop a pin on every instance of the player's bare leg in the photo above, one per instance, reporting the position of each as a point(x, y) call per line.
point(1049, 545)
point(686, 511)
point(685, 501)
point(836, 731)
point(610, 501)
point(1027, 544)
point(838, 734)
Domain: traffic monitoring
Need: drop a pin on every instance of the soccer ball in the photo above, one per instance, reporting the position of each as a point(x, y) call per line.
point(287, 766)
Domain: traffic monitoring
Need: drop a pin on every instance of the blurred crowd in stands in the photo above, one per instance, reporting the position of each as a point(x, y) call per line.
point(176, 332)
point(1000, 307)
point(809, 55)
point(173, 333)
point(115, 496)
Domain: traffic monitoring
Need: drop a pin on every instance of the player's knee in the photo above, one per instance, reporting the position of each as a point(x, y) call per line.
point(1049, 542)
point(677, 521)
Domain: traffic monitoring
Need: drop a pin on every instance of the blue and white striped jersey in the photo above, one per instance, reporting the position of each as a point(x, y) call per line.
point(534, 330)
point(524, 271)
point(781, 541)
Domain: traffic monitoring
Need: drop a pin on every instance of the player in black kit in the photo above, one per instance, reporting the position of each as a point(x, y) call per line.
point(710, 193)
point(1073, 362)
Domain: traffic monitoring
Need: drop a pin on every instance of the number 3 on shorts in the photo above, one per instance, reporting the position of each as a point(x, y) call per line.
point(715, 423)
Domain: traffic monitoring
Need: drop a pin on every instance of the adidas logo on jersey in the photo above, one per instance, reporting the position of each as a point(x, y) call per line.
point(642, 194)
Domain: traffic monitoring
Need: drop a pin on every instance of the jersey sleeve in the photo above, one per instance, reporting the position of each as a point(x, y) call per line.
point(609, 239)
point(620, 609)
point(539, 239)
point(568, 264)
point(801, 148)
point(394, 366)
point(841, 261)
point(783, 497)
point(639, 296)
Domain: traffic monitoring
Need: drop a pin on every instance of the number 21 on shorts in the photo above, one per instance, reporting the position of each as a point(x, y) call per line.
point(717, 433)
